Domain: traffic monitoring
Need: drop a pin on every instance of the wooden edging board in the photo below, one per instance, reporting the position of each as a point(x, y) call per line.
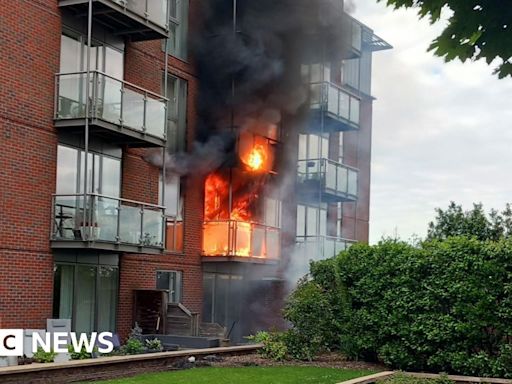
point(456, 378)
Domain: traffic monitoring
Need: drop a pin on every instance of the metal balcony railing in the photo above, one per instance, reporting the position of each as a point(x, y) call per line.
point(336, 103)
point(231, 238)
point(105, 219)
point(111, 100)
point(329, 178)
point(321, 247)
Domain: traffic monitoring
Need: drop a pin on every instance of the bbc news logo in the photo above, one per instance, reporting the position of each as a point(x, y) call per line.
point(12, 342)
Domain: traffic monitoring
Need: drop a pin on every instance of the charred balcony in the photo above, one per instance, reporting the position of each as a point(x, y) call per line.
point(320, 247)
point(119, 111)
point(333, 108)
point(327, 181)
point(137, 20)
point(107, 223)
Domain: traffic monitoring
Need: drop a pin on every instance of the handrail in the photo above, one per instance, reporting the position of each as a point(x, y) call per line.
point(241, 221)
point(326, 237)
point(163, 98)
point(338, 87)
point(109, 197)
point(330, 161)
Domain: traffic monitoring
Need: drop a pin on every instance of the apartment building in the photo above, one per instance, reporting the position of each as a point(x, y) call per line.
point(97, 97)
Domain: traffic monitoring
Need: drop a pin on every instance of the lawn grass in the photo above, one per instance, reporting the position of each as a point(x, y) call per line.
point(246, 375)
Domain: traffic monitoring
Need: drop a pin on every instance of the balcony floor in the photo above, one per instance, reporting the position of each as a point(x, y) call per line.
point(105, 246)
point(313, 192)
point(115, 17)
point(238, 259)
point(110, 132)
point(325, 121)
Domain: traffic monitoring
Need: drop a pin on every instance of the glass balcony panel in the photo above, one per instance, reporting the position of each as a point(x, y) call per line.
point(356, 36)
point(106, 218)
point(71, 99)
point(109, 99)
point(157, 11)
point(352, 182)
point(332, 99)
point(258, 242)
point(133, 109)
point(273, 244)
point(316, 95)
point(329, 248)
point(340, 246)
point(155, 117)
point(330, 175)
point(152, 227)
point(137, 6)
point(355, 106)
point(129, 224)
point(344, 105)
point(216, 236)
point(68, 211)
point(342, 179)
point(242, 240)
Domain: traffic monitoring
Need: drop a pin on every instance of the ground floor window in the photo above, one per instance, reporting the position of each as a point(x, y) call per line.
point(86, 292)
point(171, 281)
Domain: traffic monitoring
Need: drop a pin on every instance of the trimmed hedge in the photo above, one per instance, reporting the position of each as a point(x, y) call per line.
point(443, 306)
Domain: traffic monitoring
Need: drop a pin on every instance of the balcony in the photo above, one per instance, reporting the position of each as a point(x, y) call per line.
point(320, 247)
point(231, 240)
point(107, 223)
point(136, 20)
point(333, 109)
point(327, 181)
point(119, 111)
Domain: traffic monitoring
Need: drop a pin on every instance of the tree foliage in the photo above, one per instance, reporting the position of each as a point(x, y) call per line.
point(442, 306)
point(454, 221)
point(477, 29)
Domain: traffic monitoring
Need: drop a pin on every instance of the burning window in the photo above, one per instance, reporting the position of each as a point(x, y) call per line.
point(241, 220)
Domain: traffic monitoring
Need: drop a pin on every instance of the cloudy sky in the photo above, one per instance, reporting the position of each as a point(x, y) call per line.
point(441, 131)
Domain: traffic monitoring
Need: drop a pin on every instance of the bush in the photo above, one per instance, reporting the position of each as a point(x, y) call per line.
point(82, 354)
point(154, 345)
point(274, 346)
point(440, 306)
point(133, 347)
point(44, 357)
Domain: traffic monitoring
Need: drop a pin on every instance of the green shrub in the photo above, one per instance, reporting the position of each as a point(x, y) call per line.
point(274, 346)
point(44, 357)
point(438, 306)
point(154, 345)
point(82, 354)
point(133, 347)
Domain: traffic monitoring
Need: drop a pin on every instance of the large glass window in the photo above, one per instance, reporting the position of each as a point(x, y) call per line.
point(313, 147)
point(176, 114)
point(171, 281)
point(173, 203)
point(103, 172)
point(178, 25)
point(311, 221)
point(86, 294)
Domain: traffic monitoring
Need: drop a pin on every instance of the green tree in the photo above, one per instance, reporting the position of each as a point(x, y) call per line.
point(454, 221)
point(477, 29)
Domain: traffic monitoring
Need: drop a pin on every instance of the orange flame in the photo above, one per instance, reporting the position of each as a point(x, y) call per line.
point(256, 158)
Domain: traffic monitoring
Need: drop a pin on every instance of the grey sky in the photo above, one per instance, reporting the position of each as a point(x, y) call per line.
point(441, 131)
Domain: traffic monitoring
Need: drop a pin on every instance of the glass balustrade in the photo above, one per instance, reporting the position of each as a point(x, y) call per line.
point(320, 247)
point(111, 100)
point(336, 102)
point(107, 219)
point(330, 177)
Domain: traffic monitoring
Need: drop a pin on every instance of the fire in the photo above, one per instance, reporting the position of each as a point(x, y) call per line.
point(256, 158)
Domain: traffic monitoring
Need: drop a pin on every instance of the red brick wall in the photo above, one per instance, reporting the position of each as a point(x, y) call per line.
point(30, 44)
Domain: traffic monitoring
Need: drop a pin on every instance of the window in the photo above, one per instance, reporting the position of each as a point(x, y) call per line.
point(103, 172)
point(178, 26)
point(171, 281)
point(313, 147)
point(311, 221)
point(87, 294)
point(176, 114)
point(340, 148)
point(173, 203)
point(339, 220)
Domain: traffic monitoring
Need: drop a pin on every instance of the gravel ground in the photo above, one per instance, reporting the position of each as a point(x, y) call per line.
point(330, 360)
